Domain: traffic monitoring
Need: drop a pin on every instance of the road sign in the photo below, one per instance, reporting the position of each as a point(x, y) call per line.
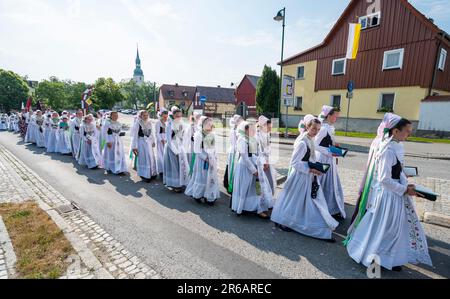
point(350, 86)
point(203, 100)
point(288, 87)
point(349, 95)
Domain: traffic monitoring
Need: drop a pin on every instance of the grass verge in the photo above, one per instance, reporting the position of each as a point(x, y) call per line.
point(40, 246)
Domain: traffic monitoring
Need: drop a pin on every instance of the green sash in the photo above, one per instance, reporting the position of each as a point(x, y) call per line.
point(192, 164)
point(230, 175)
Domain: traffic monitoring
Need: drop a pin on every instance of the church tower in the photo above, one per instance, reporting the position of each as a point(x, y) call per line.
point(138, 75)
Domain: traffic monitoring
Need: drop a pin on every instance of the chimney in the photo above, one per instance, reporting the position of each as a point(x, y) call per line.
point(176, 84)
point(218, 86)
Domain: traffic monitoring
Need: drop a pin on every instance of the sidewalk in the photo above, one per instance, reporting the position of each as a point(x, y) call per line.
point(98, 254)
point(436, 151)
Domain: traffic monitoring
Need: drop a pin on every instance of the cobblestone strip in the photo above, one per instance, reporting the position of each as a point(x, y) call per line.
point(112, 257)
point(7, 256)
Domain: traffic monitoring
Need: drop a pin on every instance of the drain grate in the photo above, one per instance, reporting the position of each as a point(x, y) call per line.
point(65, 209)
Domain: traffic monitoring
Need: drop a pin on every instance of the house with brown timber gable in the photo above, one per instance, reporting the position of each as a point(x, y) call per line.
point(402, 60)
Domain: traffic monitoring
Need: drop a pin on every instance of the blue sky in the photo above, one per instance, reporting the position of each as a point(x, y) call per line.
point(196, 42)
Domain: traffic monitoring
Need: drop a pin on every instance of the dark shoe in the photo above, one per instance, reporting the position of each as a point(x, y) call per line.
point(286, 229)
point(153, 177)
point(332, 240)
point(211, 203)
point(397, 269)
point(338, 217)
point(198, 200)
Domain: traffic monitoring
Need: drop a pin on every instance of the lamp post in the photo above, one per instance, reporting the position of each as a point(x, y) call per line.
point(281, 16)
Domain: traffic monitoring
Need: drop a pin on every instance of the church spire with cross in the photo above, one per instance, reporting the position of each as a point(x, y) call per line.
point(138, 75)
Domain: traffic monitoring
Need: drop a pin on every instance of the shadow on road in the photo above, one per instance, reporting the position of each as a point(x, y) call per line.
point(330, 259)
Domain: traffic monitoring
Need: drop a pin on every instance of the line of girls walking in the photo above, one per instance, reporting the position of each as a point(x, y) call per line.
point(385, 227)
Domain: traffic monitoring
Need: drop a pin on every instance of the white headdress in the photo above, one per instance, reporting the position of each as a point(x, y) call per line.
point(325, 112)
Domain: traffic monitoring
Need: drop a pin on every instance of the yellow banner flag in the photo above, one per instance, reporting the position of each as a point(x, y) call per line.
point(354, 34)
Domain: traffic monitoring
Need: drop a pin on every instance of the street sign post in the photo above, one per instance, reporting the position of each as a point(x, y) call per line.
point(288, 96)
point(350, 89)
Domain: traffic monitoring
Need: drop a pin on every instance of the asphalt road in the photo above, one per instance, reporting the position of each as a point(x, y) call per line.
point(182, 239)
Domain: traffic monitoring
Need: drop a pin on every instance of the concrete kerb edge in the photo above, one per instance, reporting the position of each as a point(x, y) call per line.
point(86, 255)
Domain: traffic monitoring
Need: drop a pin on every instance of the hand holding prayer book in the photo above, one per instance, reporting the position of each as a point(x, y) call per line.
point(338, 151)
point(426, 193)
point(411, 171)
point(323, 168)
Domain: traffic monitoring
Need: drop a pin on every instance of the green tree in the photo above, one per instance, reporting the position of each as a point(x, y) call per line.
point(132, 93)
point(106, 94)
point(13, 91)
point(268, 92)
point(74, 91)
point(53, 93)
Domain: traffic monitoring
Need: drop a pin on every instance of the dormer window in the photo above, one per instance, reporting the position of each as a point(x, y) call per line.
point(369, 21)
point(171, 93)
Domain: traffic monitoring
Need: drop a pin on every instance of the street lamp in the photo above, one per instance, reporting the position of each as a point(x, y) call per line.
point(281, 16)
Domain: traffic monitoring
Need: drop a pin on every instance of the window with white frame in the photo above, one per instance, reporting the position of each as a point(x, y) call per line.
point(301, 72)
point(298, 103)
point(393, 59)
point(442, 59)
point(370, 21)
point(336, 101)
point(387, 102)
point(339, 66)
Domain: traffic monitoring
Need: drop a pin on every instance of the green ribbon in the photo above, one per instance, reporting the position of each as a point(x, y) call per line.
point(364, 197)
point(192, 164)
point(230, 175)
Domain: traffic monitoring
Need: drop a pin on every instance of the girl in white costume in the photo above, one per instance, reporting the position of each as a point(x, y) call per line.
point(114, 154)
point(389, 233)
point(75, 128)
point(233, 154)
point(176, 165)
point(31, 129)
point(90, 151)
point(330, 182)
point(52, 135)
point(161, 140)
point(204, 183)
point(301, 206)
point(142, 145)
point(63, 145)
point(4, 122)
point(47, 127)
point(250, 168)
point(264, 144)
point(39, 129)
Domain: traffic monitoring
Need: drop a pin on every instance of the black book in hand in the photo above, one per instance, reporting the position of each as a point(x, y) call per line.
point(426, 193)
point(122, 134)
point(323, 168)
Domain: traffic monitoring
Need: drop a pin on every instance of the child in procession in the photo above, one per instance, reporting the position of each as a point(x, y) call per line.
point(203, 184)
point(389, 232)
point(142, 145)
point(301, 206)
point(233, 156)
point(39, 129)
point(52, 135)
point(75, 127)
point(176, 165)
point(63, 144)
point(264, 145)
point(330, 182)
point(161, 140)
point(90, 151)
point(249, 170)
point(114, 154)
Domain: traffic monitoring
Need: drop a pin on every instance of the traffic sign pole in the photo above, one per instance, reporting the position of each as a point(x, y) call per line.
point(350, 88)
